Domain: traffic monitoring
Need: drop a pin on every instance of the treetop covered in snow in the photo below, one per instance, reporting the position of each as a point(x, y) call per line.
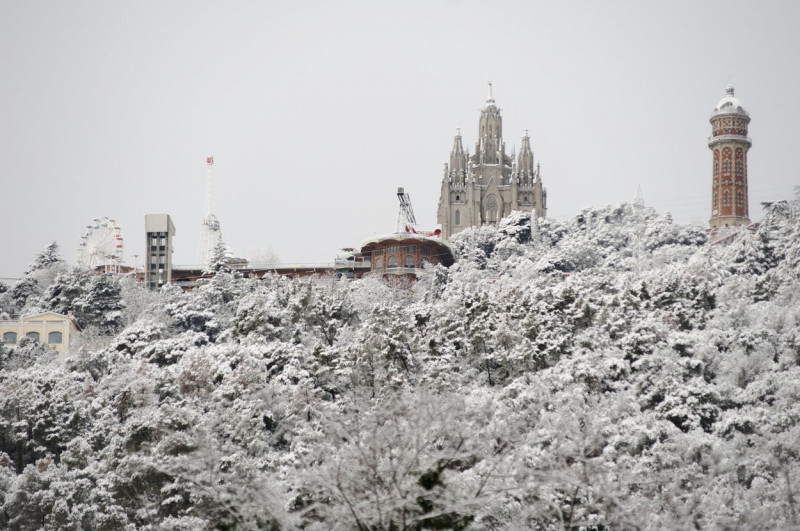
point(613, 370)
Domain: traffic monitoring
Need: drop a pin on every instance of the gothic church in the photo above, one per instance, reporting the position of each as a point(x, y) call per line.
point(483, 188)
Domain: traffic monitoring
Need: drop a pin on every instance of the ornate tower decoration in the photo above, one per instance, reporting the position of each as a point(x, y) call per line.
point(729, 144)
point(488, 185)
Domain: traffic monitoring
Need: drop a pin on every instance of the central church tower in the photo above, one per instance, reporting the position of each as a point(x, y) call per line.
point(483, 188)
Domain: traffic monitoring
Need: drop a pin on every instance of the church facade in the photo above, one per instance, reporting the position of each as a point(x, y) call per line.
point(484, 187)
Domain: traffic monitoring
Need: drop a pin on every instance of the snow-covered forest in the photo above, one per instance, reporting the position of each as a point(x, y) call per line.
point(611, 371)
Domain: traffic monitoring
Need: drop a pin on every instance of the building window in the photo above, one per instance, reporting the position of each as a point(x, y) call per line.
point(740, 198)
point(726, 198)
point(491, 209)
point(457, 198)
point(54, 338)
point(391, 262)
point(408, 261)
point(726, 166)
point(378, 264)
point(10, 337)
point(458, 217)
point(33, 335)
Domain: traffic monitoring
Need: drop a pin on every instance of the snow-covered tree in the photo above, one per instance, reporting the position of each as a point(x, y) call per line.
point(614, 370)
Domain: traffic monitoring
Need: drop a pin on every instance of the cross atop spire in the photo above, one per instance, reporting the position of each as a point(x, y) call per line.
point(729, 89)
point(489, 97)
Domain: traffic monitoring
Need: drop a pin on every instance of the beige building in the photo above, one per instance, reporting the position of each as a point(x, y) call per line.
point(52, 329)
point(482, 188)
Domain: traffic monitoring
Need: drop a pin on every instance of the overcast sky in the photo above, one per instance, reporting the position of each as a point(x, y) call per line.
point(315, 112)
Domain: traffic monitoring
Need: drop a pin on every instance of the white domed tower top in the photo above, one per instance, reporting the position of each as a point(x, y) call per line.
point(730, 104)
point(729, 144)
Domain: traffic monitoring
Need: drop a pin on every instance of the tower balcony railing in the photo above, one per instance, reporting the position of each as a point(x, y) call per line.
point(713, 140)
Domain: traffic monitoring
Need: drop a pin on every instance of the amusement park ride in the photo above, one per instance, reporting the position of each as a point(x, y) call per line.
point(406, 222)
point(101, 246)
point(210, 232)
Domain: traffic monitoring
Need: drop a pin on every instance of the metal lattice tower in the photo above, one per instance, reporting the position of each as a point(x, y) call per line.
point(210, 234)
point(405, 218)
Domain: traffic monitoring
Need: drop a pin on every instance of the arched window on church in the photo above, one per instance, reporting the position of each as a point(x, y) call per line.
point(726, 166)
point(726, 198)
point(458, 217)
point(491, 209)
point(715, 201)
point(391, 263)
point(739, 198)
point(378, 264)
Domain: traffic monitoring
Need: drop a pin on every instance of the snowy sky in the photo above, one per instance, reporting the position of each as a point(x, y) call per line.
point(315, 112)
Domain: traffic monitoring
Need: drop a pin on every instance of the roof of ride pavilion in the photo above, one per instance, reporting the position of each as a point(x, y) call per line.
point(442, 251)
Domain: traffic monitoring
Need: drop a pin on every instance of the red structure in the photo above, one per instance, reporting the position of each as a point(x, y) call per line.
point(404, 254)
point(729, 144)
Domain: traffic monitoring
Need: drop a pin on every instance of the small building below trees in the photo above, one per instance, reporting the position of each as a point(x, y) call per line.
point(52, 329)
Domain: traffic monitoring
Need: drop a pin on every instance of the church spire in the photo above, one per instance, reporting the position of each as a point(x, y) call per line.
point(490, 142)
point(458, 160)
point(525, 159)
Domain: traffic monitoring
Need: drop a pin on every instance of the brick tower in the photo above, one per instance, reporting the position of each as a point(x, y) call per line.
point(729, 143)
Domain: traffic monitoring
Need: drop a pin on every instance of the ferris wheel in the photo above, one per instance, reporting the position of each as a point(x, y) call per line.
point(100, 245)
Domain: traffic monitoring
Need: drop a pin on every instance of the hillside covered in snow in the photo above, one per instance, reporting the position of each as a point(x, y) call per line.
point(612, 371)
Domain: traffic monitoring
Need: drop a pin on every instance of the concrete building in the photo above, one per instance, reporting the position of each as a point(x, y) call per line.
point(52, 329)
point(488, 185)
point(729, 144)
point(159, 231)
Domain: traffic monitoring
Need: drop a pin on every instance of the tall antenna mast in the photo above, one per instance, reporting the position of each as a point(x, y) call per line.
point(210, 234)
point(209, 175)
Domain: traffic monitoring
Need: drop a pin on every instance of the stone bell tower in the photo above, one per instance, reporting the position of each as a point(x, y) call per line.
point(729, 144)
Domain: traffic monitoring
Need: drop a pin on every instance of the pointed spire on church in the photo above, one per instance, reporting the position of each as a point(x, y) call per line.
point(458, 159)
point(457, 146)
point(489, 97)
point(525, 160)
